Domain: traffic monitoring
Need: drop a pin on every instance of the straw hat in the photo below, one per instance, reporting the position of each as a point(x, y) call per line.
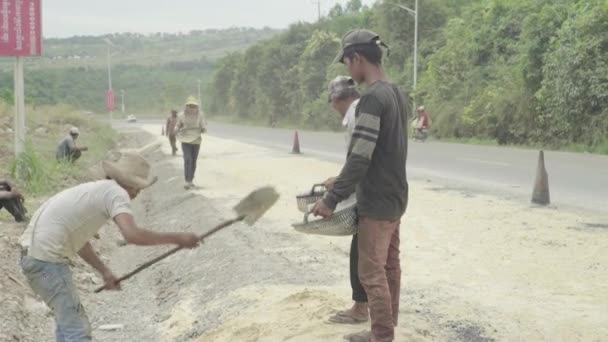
point(191, 101)
point(74, 130)
point(129, 168)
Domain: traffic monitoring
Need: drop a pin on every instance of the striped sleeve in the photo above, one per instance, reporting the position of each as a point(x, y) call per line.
point(362, 146)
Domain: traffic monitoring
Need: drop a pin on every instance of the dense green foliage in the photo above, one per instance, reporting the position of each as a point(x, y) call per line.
point(512, 71)
point(157, 71)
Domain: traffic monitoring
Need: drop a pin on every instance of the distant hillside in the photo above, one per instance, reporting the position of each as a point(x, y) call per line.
point(157, 70)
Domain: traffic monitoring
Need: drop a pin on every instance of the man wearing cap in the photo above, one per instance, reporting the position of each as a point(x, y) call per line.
point(344, 97)
point(170, 129)
point(67, 149)
point(63, 226)
point(375, 170)
point(189, 127)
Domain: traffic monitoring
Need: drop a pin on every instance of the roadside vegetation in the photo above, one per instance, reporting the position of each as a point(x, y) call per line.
point(511, 72)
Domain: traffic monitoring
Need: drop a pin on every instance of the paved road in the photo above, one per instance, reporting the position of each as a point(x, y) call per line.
point(578, 180)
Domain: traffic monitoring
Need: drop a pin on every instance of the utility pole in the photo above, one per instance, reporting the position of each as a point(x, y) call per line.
point(19, 111)
point(122, 94)
point(199, 92)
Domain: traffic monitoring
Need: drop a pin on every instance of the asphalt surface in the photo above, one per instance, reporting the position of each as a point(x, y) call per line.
point(575, 179)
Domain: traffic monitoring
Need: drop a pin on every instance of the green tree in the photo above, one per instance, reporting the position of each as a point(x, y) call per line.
point(336, 11)
point(354, 6)
point(574, 93)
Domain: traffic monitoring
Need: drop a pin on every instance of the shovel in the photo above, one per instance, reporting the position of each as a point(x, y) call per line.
point(249, 210)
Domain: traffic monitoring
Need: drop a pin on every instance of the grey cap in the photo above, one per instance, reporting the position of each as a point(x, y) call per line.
point(358, 37)
point(339, 85)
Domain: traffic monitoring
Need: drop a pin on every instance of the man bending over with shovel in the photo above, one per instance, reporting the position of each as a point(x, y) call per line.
point(63, 226)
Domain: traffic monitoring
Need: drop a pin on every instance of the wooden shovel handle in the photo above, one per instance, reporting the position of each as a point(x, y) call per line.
point(173, 251)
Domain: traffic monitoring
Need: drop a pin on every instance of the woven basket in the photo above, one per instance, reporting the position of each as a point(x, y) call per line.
point(305, 200)
point(342, 223)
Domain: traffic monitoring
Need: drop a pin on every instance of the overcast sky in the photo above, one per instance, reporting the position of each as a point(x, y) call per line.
point(64, 18)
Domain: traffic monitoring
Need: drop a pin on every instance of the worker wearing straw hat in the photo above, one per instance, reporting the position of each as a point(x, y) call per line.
point(190, 125)
point(62, 227)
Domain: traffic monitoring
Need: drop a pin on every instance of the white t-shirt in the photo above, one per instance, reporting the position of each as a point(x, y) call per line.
point(68, 220)
point(349, 122)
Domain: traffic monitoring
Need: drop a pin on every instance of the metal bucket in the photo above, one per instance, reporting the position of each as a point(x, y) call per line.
point(305, 200)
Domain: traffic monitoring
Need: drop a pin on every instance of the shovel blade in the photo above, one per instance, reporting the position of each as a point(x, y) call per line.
point(256, 204)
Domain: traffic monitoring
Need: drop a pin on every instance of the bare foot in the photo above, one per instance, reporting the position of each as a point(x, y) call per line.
point(363, 336)
point(359, 310)
point(359, 313)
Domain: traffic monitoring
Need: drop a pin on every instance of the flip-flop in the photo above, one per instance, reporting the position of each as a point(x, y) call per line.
point(346, 319)
point(362, 336)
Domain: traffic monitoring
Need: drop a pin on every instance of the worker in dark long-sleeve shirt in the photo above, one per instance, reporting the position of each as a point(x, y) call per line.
point(375, 169)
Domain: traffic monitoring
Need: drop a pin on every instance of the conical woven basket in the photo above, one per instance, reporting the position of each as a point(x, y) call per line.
point(305, 200)
point(342, 223)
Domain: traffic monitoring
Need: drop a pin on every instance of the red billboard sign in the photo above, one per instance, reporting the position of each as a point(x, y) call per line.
point(110, 100)
point(20, 28)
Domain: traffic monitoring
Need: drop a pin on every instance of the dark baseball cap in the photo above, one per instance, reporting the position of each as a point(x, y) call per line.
point(358, 37)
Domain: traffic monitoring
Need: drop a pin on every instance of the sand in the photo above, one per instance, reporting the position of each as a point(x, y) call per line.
point(475, 267)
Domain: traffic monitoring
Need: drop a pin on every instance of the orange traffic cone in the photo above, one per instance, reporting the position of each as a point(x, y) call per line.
point(296, 143)
point(540, 194)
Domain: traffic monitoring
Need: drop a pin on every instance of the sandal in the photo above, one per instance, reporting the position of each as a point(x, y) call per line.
point(341, 318)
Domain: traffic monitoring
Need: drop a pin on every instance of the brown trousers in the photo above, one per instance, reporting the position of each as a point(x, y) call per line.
point(380, 274)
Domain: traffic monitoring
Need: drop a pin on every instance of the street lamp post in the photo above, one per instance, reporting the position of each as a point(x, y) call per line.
point(415, 44)
point(318, 3)
point(413, 12)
